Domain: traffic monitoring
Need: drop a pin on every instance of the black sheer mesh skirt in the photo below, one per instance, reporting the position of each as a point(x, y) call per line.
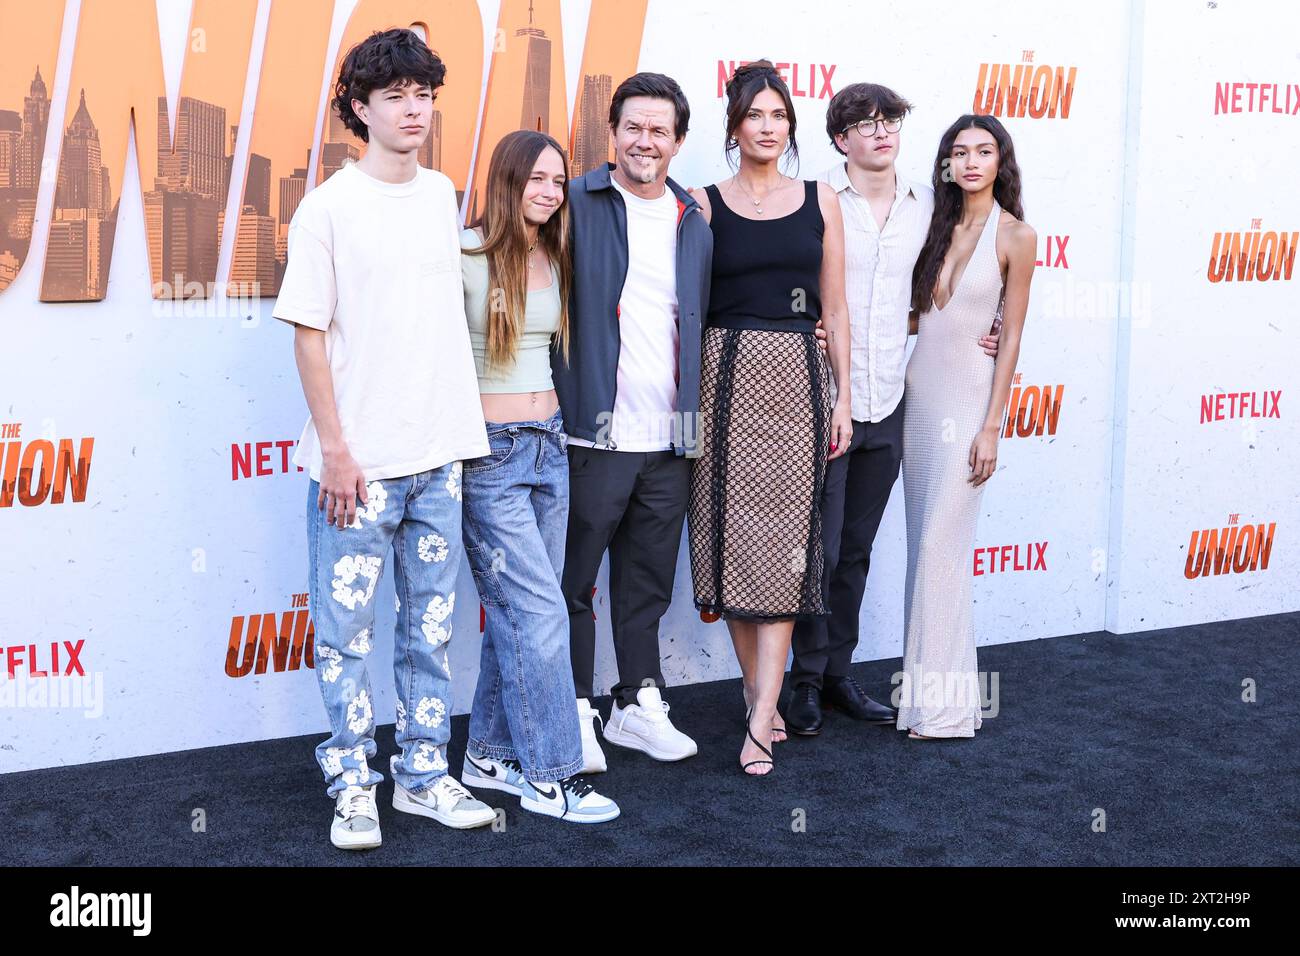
point(764, 433)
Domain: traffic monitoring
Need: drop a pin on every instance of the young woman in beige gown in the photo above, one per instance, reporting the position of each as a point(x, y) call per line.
point(973, 272)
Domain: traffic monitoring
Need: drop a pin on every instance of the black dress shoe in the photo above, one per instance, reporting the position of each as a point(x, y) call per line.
point(844, 694)
point(803, 716)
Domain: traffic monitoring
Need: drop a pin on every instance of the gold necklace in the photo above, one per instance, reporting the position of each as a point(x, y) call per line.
point(531, 248)
point(757, 208)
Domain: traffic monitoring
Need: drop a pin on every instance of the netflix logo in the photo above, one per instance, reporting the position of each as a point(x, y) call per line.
point(1234, 549)
point(56, 659)
point(1032, 409)
point(1281, 98)
point(1011, 557)
point(1024, 89)
point(1224, 405)
point(36, 472)
point(256, 459)
point(283, 641)
point(1053, 256)
point(808, 80)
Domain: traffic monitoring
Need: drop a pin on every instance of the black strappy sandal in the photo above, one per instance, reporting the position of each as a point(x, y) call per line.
point(744, 767)
point(776, 730)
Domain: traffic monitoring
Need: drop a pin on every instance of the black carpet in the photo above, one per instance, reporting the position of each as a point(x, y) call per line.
point(1149, 728)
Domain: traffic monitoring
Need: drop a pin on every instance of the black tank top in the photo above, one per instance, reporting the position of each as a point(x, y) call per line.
point(766, 272)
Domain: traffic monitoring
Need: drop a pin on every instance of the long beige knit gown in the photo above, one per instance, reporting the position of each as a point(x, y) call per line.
point(946, 396)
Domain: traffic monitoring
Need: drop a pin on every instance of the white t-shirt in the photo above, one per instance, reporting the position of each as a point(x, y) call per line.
point(646, 383)
point(376, 266)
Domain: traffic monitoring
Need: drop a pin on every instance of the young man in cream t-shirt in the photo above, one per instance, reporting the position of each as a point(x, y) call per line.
point(373, 288)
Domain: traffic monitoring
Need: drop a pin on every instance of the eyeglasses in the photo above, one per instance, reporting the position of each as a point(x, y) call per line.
point(867, 127)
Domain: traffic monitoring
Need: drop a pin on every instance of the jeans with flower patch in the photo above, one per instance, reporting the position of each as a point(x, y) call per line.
point(515, 522)
point(418, 517)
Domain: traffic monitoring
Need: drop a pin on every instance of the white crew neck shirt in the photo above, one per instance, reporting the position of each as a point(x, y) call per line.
point(647, 377)
point(376, 266)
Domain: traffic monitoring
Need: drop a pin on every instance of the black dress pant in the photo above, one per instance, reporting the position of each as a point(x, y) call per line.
point(857, 489)
point(634, 505)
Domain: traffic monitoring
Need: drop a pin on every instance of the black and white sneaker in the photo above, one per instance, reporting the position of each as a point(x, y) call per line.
point(573, 799)
point(484, 773)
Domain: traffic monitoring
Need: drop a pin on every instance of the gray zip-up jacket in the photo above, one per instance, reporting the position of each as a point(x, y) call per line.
point(587, 385)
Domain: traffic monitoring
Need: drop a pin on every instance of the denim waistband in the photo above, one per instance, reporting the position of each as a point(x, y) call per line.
point(553, 424)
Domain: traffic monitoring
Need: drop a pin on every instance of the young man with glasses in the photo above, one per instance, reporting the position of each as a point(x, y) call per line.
point(886, 218)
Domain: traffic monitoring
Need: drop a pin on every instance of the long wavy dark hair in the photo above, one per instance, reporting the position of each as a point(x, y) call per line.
point(949, 199)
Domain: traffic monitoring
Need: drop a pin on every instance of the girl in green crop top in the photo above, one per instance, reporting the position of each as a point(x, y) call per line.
point(524, 736)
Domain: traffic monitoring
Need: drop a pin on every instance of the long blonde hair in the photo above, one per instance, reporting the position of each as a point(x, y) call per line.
point(505, 243)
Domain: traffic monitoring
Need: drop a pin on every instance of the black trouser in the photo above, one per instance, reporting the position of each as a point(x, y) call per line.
point(634, 504)
point(857, 489)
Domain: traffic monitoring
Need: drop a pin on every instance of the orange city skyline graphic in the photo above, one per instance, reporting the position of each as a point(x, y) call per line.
point(117, 90)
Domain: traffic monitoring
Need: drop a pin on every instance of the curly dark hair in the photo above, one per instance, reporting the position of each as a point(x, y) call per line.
point(859, 101)
point(747, 82)
point(383, 59)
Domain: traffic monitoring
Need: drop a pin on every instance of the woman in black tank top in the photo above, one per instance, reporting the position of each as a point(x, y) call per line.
point(768, 422)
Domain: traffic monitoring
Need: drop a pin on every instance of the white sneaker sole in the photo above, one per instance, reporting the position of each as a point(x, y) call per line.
point(346, 840)
point(550, 810)
point(632, 742)
point(470, 779)
point(457, 822)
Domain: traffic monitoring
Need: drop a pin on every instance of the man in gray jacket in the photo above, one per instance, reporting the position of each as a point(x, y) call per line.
point(630, 396)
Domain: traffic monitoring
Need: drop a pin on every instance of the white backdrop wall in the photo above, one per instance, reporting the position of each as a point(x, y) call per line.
point(1212, 157)
point(168, 554)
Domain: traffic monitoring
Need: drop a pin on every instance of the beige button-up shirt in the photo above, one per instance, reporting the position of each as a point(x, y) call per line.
point(878, 267)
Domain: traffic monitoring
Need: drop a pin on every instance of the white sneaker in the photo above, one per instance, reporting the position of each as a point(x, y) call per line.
point(572, 799)
point(593, 758)
point(447, 802)
point(356, 819)
point(645, 726)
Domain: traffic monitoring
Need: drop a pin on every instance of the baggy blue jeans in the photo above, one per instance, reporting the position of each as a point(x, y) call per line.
point(419, 518)
point(515, 522)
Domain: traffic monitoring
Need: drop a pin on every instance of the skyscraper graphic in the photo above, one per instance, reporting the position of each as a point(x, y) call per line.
point(431, 151)
point(195, 161)
point(537, 77)
point(11, 137)
point(334, 156)
point(253, 268)
point(257, 186)
point(22, 150)
point(591, 141)
point(292, 189)
point(183, 211)
point(81, 167)
point(254, 259)
point(81, 233)
point(36, 119)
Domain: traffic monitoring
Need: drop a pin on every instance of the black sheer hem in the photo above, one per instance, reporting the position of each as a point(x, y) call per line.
point(745, 615)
